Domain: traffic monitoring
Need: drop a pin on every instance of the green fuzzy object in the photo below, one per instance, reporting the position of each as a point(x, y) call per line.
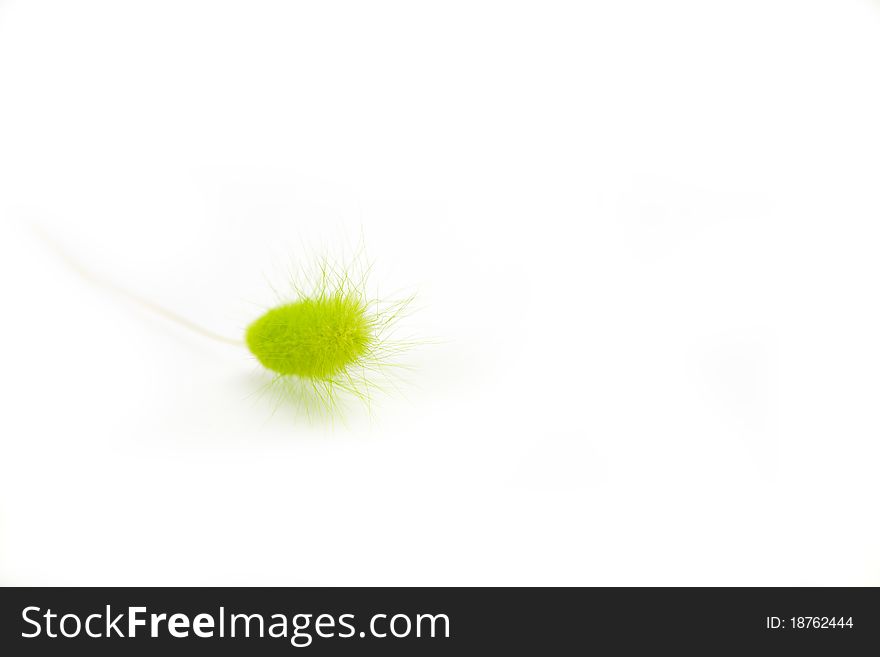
point(331, 337)
point(314, 339)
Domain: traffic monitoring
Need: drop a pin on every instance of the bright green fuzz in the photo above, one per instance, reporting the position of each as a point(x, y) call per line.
point(313, 339)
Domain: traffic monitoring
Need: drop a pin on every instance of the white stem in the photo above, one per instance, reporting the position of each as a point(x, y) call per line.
point(131, 296)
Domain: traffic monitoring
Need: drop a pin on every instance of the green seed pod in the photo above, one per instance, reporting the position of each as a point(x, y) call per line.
point(329, 338)
point(312, 338)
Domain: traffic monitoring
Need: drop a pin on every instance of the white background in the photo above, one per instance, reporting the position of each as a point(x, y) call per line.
point(644, 236)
